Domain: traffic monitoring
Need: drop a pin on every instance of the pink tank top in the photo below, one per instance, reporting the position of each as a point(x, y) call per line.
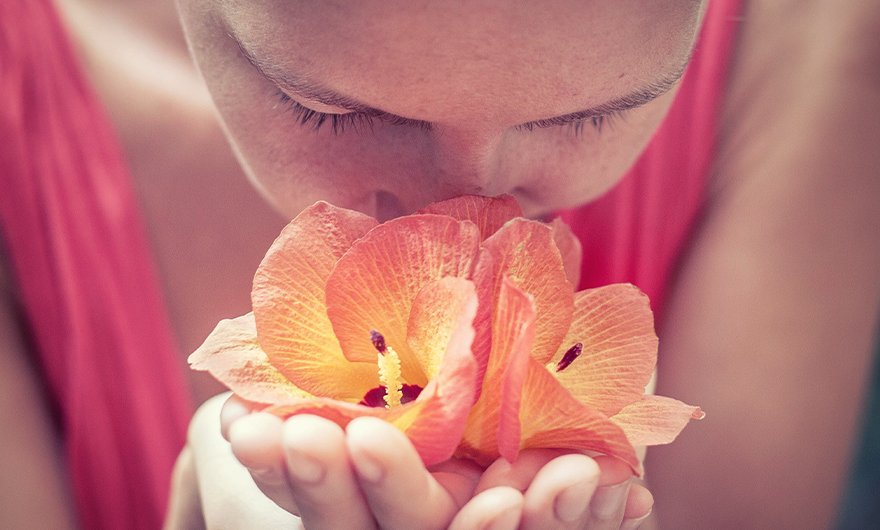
point(75, 243)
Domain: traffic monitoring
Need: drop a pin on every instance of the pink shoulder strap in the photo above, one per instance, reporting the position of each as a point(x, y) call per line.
point(637, 231)
point(76, 245)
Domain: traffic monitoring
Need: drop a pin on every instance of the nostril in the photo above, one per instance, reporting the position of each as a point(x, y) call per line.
point(388, 207)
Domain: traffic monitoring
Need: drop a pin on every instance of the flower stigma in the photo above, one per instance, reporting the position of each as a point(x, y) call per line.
point(389, 370)
point(570, 356)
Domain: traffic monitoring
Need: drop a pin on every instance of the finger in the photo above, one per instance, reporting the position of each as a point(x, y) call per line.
point(518, 474)
point(256, 443)
point(459, 477)
point(233, 409)
point(323, 483)
point(639, 503)
point(494, 509)
point(560, 494)
point(609, 500)
point(230, 499)
point(401, 492)
point(184, 506)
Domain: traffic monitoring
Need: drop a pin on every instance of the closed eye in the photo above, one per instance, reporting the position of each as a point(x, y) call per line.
point(577, 126)
point(359, 120)
point(355, 120)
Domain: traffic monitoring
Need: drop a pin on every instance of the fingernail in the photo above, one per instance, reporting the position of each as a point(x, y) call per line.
point(608, 500)
point(572, 502)
point(304, 468)
point(367, 468)
point(269, 475)
point(632, 524)
point(506, 520)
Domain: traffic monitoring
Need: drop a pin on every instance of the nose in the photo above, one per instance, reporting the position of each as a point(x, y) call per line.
point(457, 162)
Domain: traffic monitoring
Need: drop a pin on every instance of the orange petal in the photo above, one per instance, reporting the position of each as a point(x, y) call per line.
point(497, 408)
point(525, 251)
point(434, 422)
point(571, 250)
point(374, 284)
point(448, 398)
point(551, 417)
point(488, 213)
point(289, 303)
point(655, 420)
point(233, 356)
point(616, 327)
point(433, 319)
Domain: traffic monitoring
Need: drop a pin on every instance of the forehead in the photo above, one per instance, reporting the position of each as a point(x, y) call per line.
point(435, 60)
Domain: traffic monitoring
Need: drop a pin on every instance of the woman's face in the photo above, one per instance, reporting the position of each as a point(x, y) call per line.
point(388, 105)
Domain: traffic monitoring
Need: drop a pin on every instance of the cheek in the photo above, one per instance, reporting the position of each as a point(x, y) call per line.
point(559, 169)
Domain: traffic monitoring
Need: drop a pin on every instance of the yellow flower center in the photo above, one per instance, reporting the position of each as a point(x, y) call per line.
point(389, 370)
point(389, 377)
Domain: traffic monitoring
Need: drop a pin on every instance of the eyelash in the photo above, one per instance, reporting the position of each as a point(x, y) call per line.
point(355, 120)
point(339, 122)
point(598, 122)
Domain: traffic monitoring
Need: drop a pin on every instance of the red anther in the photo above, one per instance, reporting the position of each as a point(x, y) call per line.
point(376, 396)
point(378, 341)
point(570, 356)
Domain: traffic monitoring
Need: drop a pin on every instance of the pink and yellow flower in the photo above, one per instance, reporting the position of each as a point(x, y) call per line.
point(458, 324)
point(351, 318)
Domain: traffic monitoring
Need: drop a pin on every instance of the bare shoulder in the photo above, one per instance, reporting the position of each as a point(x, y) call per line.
point(806, 74)
point(798, 154)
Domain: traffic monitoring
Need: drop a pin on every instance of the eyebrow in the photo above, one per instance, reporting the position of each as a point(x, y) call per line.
point(314, 92)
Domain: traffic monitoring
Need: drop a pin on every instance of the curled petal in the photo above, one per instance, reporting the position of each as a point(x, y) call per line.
point(434, 318)
point(488, 213)
point(435, 420)
point(374, 284)
point(493, 425)
point(525, 251)
point(232, 354)
point(448, 398)
point(522, 406)
point(290, 309)
point(655, 420)
point(616, 327)
point(571, 250)
point(519, 307)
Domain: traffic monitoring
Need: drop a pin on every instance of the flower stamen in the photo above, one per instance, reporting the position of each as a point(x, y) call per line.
point(389, 370)
point(570, 356)
point(378, 341)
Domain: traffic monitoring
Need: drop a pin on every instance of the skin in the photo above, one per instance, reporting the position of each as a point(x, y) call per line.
point(771, 319)
point(473, 99)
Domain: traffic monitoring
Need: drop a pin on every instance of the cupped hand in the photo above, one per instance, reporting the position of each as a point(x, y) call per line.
point(568, 491)
point(211, 489)
point(369, 476)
